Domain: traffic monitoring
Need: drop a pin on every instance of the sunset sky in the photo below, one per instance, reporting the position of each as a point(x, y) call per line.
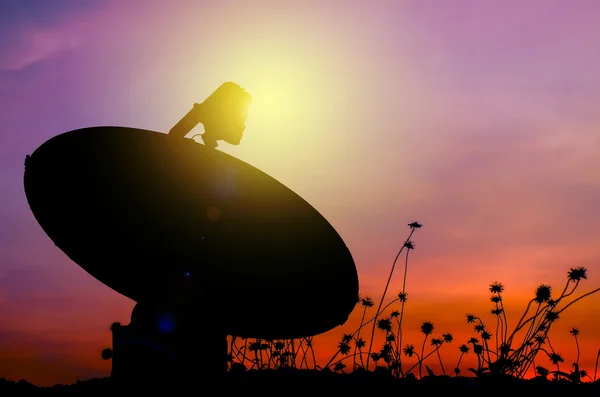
point(479, 119)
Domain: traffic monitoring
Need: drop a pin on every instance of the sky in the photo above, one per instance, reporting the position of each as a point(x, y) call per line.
point(478, 119)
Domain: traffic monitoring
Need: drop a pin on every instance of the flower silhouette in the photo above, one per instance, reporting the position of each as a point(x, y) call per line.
point(409, 350)
point(577, 273)
point(542, 294)
point(415, 225)
point(496, 287)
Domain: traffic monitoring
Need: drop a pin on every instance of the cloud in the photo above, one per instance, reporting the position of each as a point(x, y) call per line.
point(36, 45)
point(36, 30)
point(516, 182)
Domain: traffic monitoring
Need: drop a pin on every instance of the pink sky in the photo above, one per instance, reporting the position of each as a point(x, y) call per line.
point(478, 119)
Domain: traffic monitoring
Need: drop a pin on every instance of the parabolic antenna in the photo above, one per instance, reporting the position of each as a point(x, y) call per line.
point(168, 221)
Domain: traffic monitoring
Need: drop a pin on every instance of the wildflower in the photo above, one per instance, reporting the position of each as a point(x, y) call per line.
point(395, 314)
point(436, 342)
point(577, 273)
point(255, 346)
point(390, 337)
point(505, 348)
point(339, 367)
point(447, 338)
point(497, 312)
point(347, 338)
point(574, 331)
point(496, 287)
point(360, 343)
point(402, 296)
point(542, 294)
point(384, 324)
point(415, 225)
point(344, 347)
point(485, 335)
point(366, 302)
point(464, 349)
point(427, 328)
point(409, 350)
point(408, 244)
point(473, 340)
point(555, 358)
point(479, 328)
point(471, 318)
point(496, 298)
point(551, 316)
point(542, 371)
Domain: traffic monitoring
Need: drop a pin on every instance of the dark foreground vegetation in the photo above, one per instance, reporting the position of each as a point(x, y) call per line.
point(316, 383)
point(505, 351)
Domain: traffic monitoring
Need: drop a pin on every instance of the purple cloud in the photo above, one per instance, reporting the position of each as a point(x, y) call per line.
point(35, 30)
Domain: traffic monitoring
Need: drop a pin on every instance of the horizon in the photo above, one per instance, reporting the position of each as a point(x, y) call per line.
point(475, 120)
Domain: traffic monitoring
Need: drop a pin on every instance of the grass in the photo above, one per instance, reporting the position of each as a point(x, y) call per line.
point(499, 349)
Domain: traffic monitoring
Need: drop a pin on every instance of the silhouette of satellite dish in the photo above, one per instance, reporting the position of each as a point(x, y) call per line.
point(171, 222)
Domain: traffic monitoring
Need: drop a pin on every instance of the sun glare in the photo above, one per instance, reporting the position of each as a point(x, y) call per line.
point(298, 120)
point(298, 103)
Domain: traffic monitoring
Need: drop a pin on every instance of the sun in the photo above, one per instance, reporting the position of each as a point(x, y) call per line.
point(299, 117)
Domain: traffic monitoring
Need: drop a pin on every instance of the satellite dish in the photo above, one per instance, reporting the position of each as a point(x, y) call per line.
point(206, 244)
point(167, 221)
